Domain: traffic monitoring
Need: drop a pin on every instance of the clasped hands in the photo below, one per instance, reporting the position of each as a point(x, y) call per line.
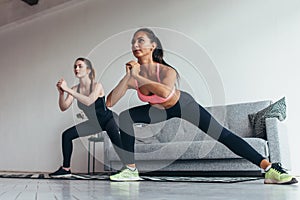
point(62, 85)
point(133, 68)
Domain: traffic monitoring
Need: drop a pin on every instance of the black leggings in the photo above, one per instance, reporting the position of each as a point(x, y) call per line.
point(188, 109)
point(86, 128)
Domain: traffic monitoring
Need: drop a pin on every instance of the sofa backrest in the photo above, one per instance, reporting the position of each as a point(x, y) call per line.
point(233, 117)
point(237, 116)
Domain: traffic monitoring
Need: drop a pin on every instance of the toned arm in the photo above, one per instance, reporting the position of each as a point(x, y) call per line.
point(87, 100)
point(119, 91)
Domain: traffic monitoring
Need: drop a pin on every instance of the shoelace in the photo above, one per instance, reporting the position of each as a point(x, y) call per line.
point(279, 168)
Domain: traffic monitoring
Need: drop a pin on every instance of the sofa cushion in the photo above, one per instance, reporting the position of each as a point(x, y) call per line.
point(207, 149)
point(145, 134)
point(176, 129)
point(171, 130)
point(233, 117)
point(219, 113)
point(258, 120)
point(237, 116)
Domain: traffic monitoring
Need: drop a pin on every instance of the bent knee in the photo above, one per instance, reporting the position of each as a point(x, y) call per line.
point(70, 134)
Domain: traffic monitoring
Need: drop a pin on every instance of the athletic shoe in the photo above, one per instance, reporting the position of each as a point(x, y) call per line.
point(60, 173)
point(277, 175)
point(126, 175)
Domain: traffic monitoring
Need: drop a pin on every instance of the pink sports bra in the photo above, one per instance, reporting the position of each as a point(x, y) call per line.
point(153, 99)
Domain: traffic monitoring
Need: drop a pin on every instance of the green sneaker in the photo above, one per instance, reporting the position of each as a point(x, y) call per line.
point(276, 175)
point(126, 175)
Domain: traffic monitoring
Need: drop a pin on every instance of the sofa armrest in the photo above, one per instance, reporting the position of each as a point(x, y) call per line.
point(277, 137)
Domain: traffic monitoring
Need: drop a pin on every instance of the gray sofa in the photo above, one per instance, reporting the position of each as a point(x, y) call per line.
point(178, 146)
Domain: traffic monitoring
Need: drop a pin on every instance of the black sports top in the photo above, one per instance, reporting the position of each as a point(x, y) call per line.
point(97, 110)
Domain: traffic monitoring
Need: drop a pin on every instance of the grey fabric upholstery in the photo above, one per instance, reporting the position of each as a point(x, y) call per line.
point(176, 145)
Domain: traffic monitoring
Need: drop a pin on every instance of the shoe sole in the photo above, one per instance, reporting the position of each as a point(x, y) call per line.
point(272, 181)
point(126, 180)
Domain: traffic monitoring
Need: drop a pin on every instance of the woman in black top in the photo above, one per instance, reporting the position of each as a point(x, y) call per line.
point(91, 100)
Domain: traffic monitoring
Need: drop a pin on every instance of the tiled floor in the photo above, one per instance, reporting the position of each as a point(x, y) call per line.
point(44, 189)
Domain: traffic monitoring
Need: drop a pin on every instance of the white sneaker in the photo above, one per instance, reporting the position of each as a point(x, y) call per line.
point(126, 175)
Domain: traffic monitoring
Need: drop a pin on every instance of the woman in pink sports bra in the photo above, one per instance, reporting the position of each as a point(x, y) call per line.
point(155, 82)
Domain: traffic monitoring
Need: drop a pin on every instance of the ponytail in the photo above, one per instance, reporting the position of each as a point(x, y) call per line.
point(92, 75)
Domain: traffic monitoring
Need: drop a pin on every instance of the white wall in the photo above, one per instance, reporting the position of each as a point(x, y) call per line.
point(251, 55)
